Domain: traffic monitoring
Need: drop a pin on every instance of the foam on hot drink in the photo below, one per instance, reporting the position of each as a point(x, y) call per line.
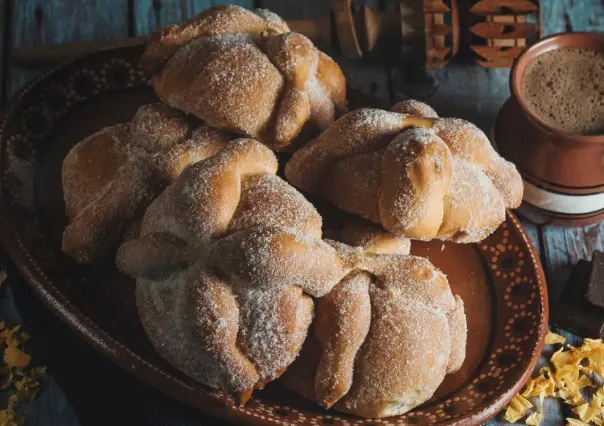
point(565, 89)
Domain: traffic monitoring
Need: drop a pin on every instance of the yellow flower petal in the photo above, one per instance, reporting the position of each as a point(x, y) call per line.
point(520, 403)
point(14, 357)
point(512, 416)
point(553, 338)
point(534, 419)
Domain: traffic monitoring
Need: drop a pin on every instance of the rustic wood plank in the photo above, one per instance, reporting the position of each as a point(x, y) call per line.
point(3, 55)
point(533, 232)
point(572, 15)
point(152, 14)
point(34, 22)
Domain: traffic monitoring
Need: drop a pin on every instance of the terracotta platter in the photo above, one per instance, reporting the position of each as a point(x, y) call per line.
point(500, 280)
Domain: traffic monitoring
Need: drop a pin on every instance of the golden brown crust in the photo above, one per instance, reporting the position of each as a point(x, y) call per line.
point(166, 41)
point(226, 264)
point(345, 311)
point(357, 232)
point(111, 176)
point(416, 169)
point(360, 172)
point(459, 333)
point(372, 353)
point(271, 84)
point(443, 180)
point(248, 246)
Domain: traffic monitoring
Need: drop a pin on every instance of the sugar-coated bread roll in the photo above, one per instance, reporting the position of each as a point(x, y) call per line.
point(230, 270)
point(110, 177)
point(419, 176)
point(246, 72)
point(226, 262)
point(383, 339)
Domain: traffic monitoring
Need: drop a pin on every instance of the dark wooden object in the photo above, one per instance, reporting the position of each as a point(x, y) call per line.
point(595, 288)
point(84, 389)
point(501, 29)
point(573, 312)
point(357, 30)
point(3, 20)
point(441, 31)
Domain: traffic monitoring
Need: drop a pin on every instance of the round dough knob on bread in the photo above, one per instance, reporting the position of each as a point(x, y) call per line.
point(417, 175)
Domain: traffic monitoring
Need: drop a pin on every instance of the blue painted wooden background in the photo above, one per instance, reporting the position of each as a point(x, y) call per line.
point(85, 389)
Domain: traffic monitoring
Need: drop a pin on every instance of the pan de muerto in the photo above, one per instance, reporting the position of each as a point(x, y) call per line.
point(228, 262)
point(246, 72)
point(227, 259)
point(110, 177)
point(419, 176)
point(383, 339)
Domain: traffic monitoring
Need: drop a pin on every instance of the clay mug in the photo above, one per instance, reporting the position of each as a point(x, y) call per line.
point(563, 172)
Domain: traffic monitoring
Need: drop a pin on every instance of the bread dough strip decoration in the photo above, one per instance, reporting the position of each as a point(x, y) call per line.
point(246, 72)
point(418, 175)
point(228, 260)
point(104, 200)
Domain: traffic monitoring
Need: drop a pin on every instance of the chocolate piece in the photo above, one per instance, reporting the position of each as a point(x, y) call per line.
point(595, 288)
point(573, 312)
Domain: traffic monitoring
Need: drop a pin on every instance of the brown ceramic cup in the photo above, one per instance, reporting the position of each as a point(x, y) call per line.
point(563, 172)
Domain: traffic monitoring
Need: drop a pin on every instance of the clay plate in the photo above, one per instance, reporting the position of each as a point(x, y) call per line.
point(500, 280)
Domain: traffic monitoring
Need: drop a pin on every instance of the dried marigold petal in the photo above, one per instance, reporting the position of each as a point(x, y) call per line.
point(534, 419)
point(14, 357)
point(584, 382)
point(26, 381)
point(10, 418)
point(512, 416)
point(9, 382)
point(595, 356)
point(562, 358)
point(517, 408)
point(520, 403)
point(529, 387)
point(598, 421)
point(553, 338)
point(587, 412)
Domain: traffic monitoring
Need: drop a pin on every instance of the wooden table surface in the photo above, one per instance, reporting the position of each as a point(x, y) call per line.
point(85, 389)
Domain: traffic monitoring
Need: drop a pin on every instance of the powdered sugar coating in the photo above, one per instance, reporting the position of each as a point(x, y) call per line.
point(478, 206)
point(217, 20)
point(272, 17)
point(369, 361)
point(263, 268)
point(413, 193)
point(240, 295)
point(414, 108)
point(228, 67)
point(139, 160)
point(358, 132)
point(256, 79)
point(268, 201)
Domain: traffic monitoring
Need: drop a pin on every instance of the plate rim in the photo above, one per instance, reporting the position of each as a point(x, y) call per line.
point(168, 384)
